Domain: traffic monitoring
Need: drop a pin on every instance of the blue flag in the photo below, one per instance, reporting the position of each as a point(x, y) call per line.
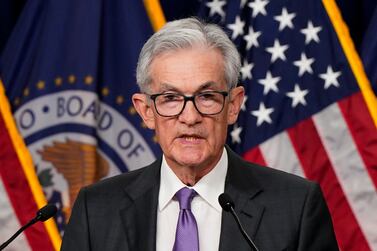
point(69, 73)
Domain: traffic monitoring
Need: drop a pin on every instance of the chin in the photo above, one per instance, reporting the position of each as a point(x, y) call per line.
point(191, 159)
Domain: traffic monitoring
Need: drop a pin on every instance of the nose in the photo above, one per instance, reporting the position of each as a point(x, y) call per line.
point(189, 114)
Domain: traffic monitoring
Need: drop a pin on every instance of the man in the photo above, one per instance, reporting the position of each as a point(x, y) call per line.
point(187, 73)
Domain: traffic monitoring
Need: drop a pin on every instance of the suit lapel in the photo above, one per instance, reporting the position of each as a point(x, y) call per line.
point(139, 215)
point(243, 188)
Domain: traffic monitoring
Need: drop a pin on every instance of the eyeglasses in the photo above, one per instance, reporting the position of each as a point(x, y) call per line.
point(172, 104)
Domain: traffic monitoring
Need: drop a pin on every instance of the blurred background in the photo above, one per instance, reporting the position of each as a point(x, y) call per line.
point(357, 15)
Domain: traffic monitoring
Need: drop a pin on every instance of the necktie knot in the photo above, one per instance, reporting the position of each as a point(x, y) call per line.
point(184, 197)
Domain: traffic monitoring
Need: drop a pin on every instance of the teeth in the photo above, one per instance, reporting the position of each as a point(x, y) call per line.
point(191, 138)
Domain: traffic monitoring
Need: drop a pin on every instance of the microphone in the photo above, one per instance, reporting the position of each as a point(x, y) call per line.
point(46, 212)
point(228, 205)
point(43, 214)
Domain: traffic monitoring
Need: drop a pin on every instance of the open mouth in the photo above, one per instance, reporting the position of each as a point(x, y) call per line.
point(191, 138)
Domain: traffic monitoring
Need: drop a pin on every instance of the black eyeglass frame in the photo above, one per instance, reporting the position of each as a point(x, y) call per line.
point(189, 98)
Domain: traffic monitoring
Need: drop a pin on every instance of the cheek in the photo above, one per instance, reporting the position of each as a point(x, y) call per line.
point(218, 130)
point(164, 131)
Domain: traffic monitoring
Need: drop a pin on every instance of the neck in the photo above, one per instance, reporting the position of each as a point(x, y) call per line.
point(190, 175)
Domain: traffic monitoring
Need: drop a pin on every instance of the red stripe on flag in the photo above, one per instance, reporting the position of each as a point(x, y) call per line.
point(255, 155)
point(363, 131)
point(317, 166)
point(19, 192)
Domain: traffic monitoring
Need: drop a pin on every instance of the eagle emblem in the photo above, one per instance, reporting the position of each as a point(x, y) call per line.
point(78, 162)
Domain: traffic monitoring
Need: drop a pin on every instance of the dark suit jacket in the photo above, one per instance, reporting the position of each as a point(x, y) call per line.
point(279, 211)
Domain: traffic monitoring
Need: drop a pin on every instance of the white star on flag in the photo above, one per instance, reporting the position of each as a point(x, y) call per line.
point(216, 6)
point(298, 96)
point(262, 114)
point(259, 7)
point(330, 77)
point(243, 106)
point(252, 38)
point(311, 33)
point(285, 19)
point(246, 70)
point(269, 83)
point(304, 64)
point(237, 27)
point(277, 51)
point(235, 134)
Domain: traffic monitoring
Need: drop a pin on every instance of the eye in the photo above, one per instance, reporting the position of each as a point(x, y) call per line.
point(207, 96)
point(170, 97)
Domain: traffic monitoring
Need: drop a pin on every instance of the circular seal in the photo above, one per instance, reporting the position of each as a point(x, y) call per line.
point(76, 140)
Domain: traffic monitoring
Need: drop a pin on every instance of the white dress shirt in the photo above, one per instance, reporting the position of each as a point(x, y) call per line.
point(204, 206)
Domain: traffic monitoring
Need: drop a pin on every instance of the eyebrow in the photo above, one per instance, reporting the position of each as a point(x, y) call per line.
point(169, 87)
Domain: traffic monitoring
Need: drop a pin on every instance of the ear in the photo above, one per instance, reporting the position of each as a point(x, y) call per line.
point(236, 99)
point(144, 109)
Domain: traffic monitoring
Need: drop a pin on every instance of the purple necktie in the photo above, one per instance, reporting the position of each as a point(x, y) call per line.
point(186, 236)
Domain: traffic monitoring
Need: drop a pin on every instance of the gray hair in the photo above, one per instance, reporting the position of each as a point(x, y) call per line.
point(187, 33)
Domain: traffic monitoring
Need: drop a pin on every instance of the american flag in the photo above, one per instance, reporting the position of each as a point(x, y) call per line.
point(304, 111)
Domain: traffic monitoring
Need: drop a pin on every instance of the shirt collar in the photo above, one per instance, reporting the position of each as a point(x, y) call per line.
point(208, 187)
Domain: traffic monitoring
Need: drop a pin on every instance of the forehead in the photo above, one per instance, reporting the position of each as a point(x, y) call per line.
point(188, 70)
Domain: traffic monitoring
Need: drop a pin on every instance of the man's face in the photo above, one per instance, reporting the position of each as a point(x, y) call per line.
point(191, 139)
